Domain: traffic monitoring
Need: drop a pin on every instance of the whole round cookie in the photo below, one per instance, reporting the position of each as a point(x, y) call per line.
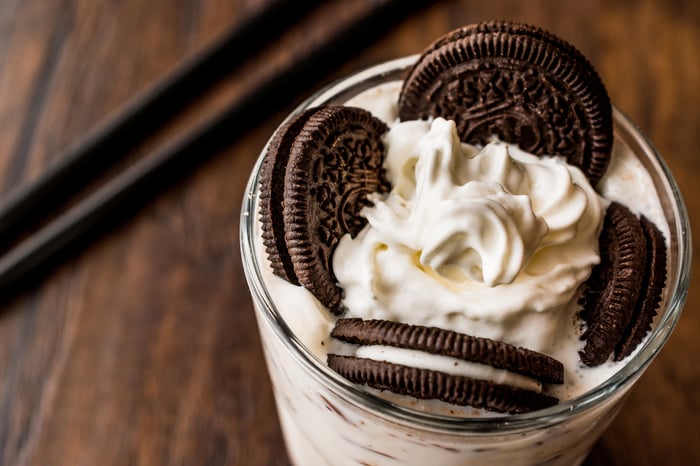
point(436, 340)
point(423, 383)
point(615, 284)
point(334, 163)
point(517, 83)
point(271, 204)
point(653, 282)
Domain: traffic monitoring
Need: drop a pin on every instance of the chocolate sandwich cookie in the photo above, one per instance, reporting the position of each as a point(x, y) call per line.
point(625, 288)
point(317, 174)
point(432, 384)
point(653, 282)
point(271, 198)
point(518, 83)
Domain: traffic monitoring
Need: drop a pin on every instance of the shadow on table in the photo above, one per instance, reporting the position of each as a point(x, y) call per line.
point(599, 456)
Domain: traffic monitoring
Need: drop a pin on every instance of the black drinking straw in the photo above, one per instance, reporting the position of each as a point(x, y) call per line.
point(23, 209)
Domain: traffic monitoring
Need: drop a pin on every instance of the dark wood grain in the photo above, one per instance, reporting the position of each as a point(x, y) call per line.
point(142, 348)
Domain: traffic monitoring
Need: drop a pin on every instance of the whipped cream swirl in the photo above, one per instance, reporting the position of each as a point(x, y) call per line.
point(493, 242)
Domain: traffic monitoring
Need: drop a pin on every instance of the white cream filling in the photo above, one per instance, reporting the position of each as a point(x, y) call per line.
point(446, 364)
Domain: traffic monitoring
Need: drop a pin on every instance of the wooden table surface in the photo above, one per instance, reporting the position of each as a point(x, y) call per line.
point(141, 347)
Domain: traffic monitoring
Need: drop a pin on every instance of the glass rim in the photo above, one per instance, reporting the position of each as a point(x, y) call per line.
point(635, 365)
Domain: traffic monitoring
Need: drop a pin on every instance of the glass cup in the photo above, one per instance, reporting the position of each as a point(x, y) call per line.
point(326, 420)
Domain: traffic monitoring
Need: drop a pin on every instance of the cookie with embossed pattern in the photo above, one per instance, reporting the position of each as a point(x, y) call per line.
point(518, 83)
point(271, 196)
point(624, 290)
point(653, 282)
point(476, 388)
point(332, 158)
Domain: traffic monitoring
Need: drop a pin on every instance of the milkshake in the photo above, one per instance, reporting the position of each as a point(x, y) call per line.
point(524, 277)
